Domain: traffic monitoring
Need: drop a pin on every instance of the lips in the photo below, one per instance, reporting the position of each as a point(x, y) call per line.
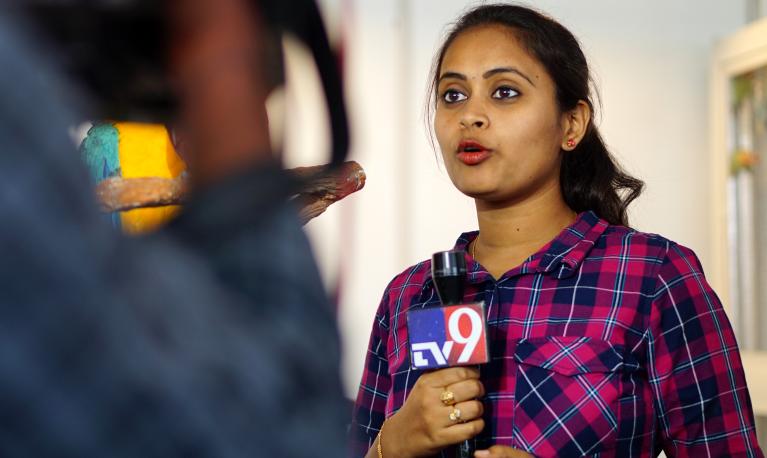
point(472, 153)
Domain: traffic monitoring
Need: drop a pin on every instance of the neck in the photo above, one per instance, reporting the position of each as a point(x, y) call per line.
point(512, 232)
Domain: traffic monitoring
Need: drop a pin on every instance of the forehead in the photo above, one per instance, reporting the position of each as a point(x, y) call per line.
point(481, 48)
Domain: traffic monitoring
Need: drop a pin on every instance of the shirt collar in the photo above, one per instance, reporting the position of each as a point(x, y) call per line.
point(564, 255)
point(560, 258)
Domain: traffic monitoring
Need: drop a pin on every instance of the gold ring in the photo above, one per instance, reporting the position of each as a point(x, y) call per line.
point(447, 397)
point(455, 414)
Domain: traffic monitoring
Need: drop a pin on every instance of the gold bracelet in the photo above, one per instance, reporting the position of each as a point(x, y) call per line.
point(379, 449)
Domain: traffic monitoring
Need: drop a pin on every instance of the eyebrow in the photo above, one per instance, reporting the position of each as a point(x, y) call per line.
point(487, 74)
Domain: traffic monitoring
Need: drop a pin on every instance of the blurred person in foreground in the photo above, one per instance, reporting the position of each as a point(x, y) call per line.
point(213, 337)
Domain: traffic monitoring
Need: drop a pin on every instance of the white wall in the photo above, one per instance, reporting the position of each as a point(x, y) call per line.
point(650, 60)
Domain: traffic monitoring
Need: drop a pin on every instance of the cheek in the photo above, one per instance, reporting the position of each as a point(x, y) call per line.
point(541, 133)
point(442, 132)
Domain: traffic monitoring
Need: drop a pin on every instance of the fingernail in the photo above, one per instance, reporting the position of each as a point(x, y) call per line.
point(482, 454)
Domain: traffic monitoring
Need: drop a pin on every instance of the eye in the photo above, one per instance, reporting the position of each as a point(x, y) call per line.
point(505, 92)
point(453, 96)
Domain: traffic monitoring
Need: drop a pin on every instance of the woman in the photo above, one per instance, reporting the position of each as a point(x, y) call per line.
point(604, 341)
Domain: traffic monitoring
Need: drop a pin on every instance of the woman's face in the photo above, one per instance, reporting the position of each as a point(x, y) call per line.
point(497, 121)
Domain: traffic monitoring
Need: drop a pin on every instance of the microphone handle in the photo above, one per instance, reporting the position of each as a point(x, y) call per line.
point(465, 450)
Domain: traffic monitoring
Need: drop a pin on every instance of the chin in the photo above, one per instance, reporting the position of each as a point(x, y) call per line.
point(477, 192)
point(491, 194)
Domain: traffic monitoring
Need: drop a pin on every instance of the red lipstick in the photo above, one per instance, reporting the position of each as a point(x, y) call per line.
point(472, 153)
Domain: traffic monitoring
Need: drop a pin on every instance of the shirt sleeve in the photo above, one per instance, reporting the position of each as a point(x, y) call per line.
point(701, 400)
point(370, 407)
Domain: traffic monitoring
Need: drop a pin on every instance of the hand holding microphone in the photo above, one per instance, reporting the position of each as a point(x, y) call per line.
point(424, 424)
point(442, 408)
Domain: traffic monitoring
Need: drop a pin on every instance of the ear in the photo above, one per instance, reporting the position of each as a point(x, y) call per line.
point(575, 122)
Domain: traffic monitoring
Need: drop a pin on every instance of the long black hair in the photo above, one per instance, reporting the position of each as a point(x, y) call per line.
point(590, 178)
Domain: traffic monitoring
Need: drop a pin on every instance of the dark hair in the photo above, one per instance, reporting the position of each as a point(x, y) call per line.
point(590, 179)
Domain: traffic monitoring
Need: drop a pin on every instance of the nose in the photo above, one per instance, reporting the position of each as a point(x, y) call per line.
point(474, 117)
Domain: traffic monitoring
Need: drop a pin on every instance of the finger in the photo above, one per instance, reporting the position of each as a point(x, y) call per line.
point(469, 410)
point(462, 431)
point(445, 377)
point(466, 390)
point(502, 451)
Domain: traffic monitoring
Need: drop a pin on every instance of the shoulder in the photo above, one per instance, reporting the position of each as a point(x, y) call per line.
point(649, 245)
point(409, 281)
point(674, 262)
point(405, 286)
point(622, 235)
point(656, 255)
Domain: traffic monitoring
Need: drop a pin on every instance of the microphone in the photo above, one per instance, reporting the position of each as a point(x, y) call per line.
point(435, 332)
point(448, 270)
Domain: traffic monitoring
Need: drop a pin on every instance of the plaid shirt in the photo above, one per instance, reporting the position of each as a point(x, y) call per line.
point(607, 342)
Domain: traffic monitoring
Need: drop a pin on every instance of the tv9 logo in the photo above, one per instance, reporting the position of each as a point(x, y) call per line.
point(452, 335)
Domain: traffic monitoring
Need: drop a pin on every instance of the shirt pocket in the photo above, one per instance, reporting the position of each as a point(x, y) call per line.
point(570, 393)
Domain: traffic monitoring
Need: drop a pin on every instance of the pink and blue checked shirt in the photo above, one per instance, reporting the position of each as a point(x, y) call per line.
point(607, 342)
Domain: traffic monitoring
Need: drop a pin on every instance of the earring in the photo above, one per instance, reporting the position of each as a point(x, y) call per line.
point(570, 142)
